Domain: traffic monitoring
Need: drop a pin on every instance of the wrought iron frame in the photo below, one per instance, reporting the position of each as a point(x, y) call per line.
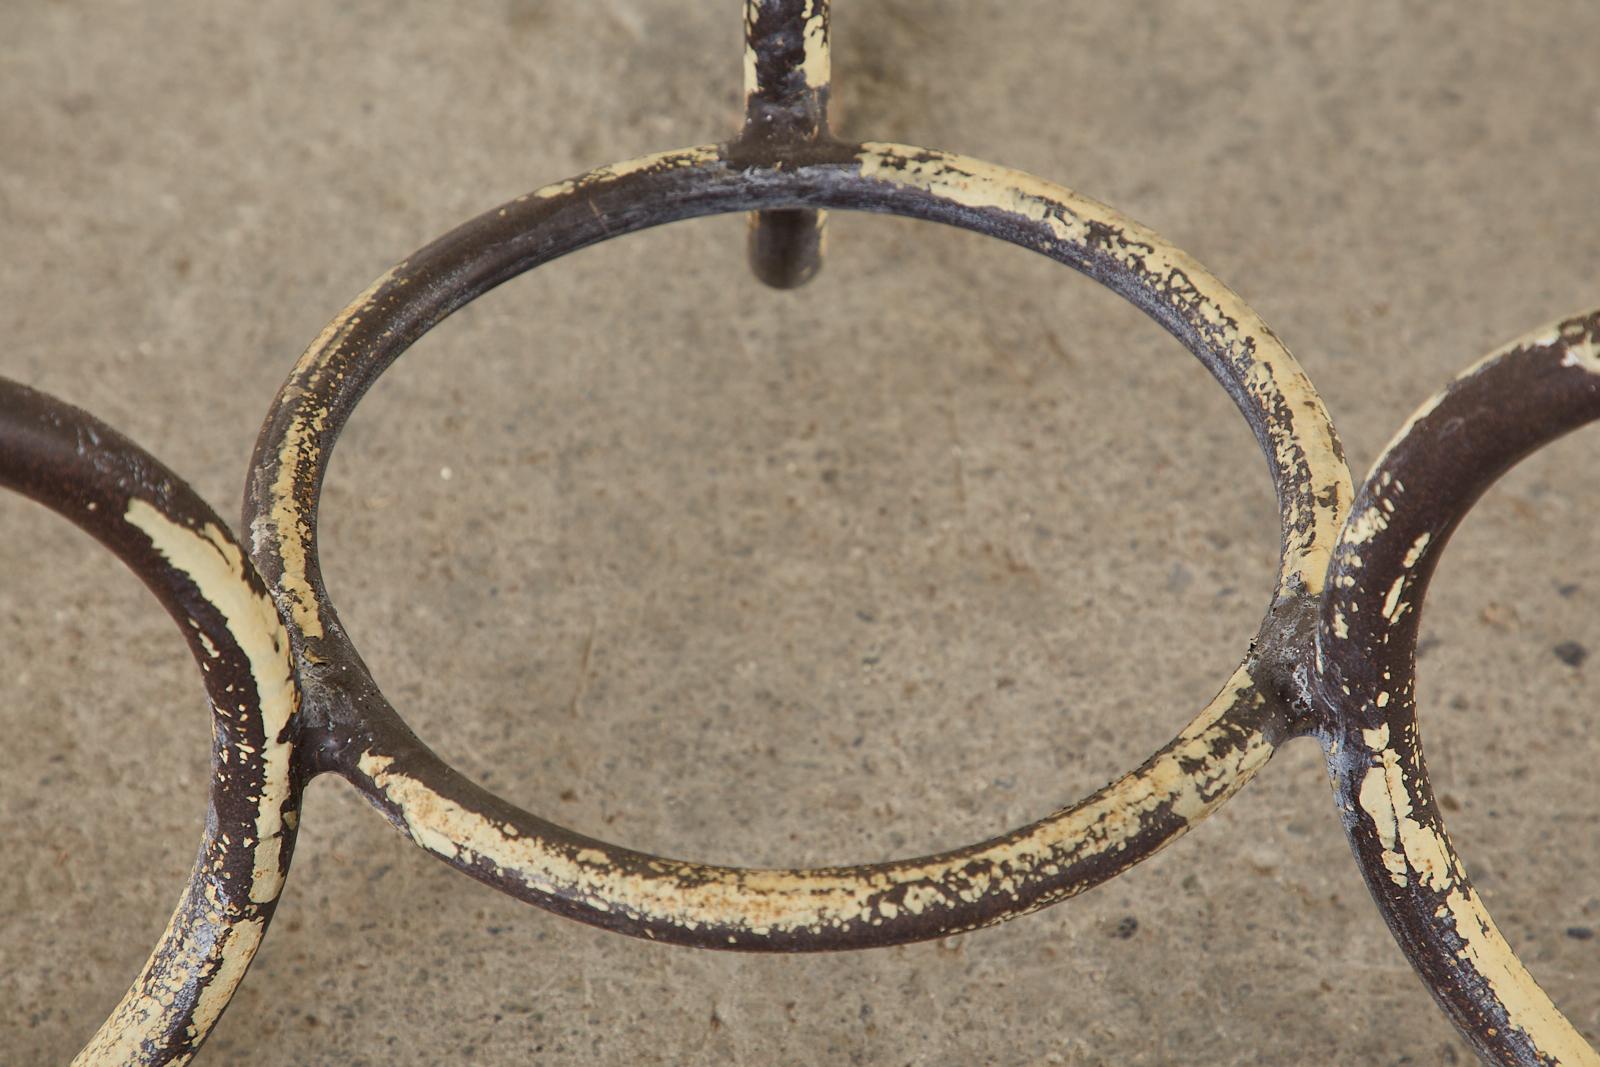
point(1334, 657)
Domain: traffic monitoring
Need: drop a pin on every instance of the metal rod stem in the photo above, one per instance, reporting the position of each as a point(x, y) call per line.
point(787, 68)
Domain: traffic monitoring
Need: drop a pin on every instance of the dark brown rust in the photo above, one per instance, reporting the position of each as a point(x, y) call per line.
point(786, 108)
point(1473, 432)
point(82, 469)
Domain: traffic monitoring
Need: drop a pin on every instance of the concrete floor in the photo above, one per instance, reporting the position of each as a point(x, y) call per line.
point(656, 552)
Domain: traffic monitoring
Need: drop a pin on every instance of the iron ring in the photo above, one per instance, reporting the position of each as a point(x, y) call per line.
point(1447, 455)
point(356, 733)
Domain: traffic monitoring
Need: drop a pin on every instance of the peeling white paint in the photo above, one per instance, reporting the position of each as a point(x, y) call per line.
point(813, 900)
point(1301, 432)
point(1583, 354)
point(1418, 547)
point(1392, 604)
point(1364, 525)
point(697, 156)
point(300, 443)
point(1527, 1006)
point(217, 567)
point(1411, 846)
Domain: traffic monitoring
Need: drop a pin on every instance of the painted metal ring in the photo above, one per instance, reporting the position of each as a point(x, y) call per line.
point(352, 730)
point(72, 463)
point(1455, 446)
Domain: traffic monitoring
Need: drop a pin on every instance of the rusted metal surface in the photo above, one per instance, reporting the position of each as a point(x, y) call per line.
point(115, 491)
point(1334, 656)
point(786, 74)
point(1448, 454)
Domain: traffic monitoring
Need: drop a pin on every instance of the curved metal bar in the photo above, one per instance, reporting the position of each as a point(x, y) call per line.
point(787, 68)
point(1446, 456)
point(115, 491)
point(360, 736)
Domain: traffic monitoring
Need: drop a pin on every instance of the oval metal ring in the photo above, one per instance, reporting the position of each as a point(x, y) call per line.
point(1455, 446)
point(784, 910)
point(79, 467)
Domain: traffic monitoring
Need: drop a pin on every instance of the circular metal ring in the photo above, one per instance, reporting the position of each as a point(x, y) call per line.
point(114, 490)
point(1079, 846)
point(1450, 452)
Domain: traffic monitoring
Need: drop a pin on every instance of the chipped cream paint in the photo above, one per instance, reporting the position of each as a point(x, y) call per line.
point(186, 954)
point(292, 528)
point(1528, 1008)
point(763, 902)
point(1393, 606)
point(1388, 790)
point(240, 948)
point(1546, 337)
point(1418, 547)
point(1364, 525)
point(1374, 800)
point(1300, 431)
point(141, 1018)
point(1583, 353)
point(217, 567)
point(672, 160)
point(816, 64)
point(301, 443)
point(1411, 846)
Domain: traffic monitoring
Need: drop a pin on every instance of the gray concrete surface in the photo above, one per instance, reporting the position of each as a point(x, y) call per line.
point(892, 563)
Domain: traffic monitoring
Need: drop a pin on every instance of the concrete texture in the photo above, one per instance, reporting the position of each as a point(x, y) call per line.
point(892, 563)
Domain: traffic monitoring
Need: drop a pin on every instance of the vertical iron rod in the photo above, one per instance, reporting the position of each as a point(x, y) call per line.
point(786, 72)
